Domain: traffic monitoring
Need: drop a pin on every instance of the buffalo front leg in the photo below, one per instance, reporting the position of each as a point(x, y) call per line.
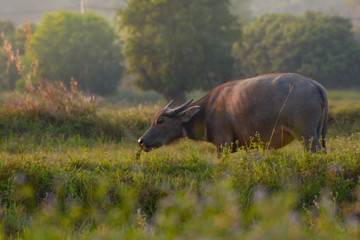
point(223, 142)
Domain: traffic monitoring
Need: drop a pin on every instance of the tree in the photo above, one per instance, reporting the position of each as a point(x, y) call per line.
point(84, 47)
point(320, 46)
point(7, 29)
point(174, 46)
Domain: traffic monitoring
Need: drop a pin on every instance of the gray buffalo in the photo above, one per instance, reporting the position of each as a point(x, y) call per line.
point(273, 109)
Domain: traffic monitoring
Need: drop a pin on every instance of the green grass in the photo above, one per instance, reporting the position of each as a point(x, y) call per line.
point(82, 180)
point(181, 190)
point(340, 99)
point(344, 110)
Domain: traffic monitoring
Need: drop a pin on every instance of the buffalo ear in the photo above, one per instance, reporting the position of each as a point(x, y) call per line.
point(187, 114)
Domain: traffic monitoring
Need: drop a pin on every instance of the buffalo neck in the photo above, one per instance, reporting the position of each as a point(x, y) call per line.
point(196, 127)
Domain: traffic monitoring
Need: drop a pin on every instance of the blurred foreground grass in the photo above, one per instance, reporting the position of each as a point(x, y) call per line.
point(79, 178)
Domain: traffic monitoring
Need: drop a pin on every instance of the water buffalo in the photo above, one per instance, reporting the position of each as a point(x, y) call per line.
point(276, 108)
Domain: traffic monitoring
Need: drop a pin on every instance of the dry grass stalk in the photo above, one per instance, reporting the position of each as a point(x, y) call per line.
point(52, 100)
point(291, 87)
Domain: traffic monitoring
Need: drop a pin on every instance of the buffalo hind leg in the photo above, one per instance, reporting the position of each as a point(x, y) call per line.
point(313, 145)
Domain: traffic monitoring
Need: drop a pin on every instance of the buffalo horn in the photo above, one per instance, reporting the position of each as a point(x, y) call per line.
point(169, 104)
point(178, 109)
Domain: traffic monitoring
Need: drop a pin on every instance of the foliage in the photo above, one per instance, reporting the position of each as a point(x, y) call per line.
point(176, 46)
point(7, 28)
point(11, 38)
point(317, 45)
point(15, 59)
point(58, 111)
point(84, 47)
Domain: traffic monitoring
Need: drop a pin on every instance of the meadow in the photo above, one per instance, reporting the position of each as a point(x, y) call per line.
point(70, 170)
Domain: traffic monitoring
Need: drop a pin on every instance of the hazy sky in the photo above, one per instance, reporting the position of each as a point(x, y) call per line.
point(21, 11)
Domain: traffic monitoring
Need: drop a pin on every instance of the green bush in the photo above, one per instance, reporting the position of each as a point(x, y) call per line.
point(84, 47)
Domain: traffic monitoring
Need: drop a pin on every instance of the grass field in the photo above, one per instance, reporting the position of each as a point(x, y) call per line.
point(68, 177)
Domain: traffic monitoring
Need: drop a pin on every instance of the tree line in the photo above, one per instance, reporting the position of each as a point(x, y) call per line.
point(177, 46)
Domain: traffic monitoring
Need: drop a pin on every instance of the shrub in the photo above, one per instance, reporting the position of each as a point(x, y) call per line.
point(85, 47)
point(52, 111)
point(51, 101)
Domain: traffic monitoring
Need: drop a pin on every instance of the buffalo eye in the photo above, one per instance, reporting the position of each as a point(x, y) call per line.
point(160, 121)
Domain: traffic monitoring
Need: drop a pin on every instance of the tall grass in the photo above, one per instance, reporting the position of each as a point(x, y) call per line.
point(180, 192)
point(51, 101)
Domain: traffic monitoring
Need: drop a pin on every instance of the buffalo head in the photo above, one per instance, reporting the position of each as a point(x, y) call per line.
point(167, 126)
